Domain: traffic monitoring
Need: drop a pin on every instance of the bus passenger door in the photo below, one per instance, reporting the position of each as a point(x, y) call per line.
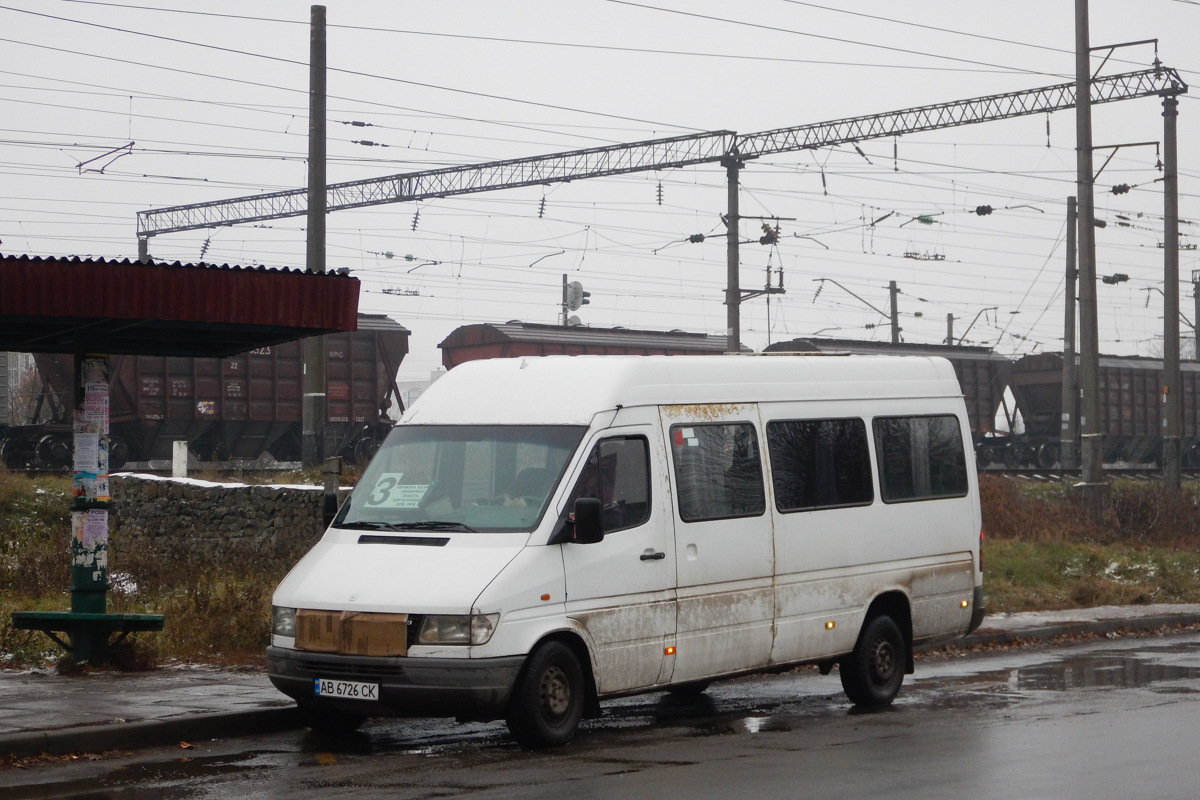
point(723, 545)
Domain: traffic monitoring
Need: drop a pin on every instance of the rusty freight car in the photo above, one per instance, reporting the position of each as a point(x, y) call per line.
point(1131, 405)
point(235, 408)
point(513, 339)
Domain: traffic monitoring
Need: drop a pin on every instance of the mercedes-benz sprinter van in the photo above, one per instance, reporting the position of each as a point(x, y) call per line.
point(538, 534)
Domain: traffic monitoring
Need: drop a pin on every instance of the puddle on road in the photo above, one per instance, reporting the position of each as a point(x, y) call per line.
point(1144, 668)
point(1124, 671)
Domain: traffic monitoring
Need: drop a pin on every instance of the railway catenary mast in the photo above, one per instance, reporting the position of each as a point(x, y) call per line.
point(724, 147)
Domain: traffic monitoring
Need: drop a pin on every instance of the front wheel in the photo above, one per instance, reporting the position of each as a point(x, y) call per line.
point(547, 702)
point(872, 674)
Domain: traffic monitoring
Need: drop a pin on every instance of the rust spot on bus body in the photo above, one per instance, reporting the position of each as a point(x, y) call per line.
point(707, 412)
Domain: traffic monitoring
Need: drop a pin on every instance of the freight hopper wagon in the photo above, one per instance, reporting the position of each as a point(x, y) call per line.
point(515, 339)
point(982, 374)
point(235, 408)
point(1131, 409)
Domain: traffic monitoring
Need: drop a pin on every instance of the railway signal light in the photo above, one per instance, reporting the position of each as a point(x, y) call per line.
point(576, 296)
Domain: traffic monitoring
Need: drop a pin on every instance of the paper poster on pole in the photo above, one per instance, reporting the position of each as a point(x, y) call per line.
point(87, 452)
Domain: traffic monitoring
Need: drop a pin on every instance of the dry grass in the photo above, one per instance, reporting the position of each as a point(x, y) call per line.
point(216, 611)
point(1041, 552)
point(1044, 552)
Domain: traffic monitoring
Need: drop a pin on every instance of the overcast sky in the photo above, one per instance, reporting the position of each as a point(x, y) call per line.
point(110, 108)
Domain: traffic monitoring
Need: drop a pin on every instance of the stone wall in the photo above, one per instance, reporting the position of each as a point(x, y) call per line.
point(215, 522)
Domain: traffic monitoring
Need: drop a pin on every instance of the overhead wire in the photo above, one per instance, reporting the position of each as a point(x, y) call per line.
point(824, 37)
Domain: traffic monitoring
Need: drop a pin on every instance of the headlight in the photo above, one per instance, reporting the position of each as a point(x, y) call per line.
point(283, 621)
point(457, 628)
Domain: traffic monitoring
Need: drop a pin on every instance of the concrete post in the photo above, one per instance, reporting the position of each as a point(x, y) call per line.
point(179, 459)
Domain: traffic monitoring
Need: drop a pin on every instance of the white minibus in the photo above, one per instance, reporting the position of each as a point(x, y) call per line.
point(538, 534)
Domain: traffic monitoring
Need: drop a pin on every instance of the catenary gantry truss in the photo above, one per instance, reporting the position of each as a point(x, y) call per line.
point(653, 154)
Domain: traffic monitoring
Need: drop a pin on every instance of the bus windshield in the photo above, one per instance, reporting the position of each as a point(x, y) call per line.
point(473, 478)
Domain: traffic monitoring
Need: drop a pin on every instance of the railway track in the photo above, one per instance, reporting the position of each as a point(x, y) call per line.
point(1148, 472)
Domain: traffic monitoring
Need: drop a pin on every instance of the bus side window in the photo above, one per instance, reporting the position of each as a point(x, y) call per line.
point(718, 472)
point(819, 463)
point(920, 457)
point(617, 472)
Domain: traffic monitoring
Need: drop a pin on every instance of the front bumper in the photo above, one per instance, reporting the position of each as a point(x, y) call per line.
point(466, 688)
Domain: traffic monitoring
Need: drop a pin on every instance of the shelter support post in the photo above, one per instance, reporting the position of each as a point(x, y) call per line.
point(88, 625)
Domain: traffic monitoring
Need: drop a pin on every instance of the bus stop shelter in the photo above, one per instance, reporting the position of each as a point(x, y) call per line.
point(95, 308)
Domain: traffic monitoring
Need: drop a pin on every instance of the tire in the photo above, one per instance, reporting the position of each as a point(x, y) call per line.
point(548, 700)
point(872, 674)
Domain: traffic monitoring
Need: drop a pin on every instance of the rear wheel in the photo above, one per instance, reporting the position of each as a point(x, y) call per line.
point(872, 674)
point(547, 702)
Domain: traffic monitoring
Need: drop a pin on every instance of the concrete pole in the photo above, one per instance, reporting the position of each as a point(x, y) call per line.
point(950, 330)
point(1196, 313)
point(1172, 388)
point(895, 309)
point(316, 142)
point(733, 288)
point(313, 401)
point(1070, 392)
point(1091, 444)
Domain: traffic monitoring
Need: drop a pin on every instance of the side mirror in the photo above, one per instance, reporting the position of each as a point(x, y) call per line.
point(589, 527)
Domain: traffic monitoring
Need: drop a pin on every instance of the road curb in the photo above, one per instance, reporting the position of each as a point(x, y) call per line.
point(194, 728)
point(189, 728)
point(992, 636)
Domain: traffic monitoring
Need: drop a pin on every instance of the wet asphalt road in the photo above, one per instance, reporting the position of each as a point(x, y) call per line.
point(1105, 719)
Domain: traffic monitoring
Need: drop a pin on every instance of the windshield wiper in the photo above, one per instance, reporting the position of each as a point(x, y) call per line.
point(437, 525)
point(421, 525)
point(370, 525)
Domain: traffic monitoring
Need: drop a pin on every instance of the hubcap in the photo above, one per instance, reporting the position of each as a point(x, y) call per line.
point(883, 661)
point(555, 691)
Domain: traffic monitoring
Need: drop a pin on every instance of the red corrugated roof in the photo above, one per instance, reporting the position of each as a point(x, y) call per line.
point(63, 304)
